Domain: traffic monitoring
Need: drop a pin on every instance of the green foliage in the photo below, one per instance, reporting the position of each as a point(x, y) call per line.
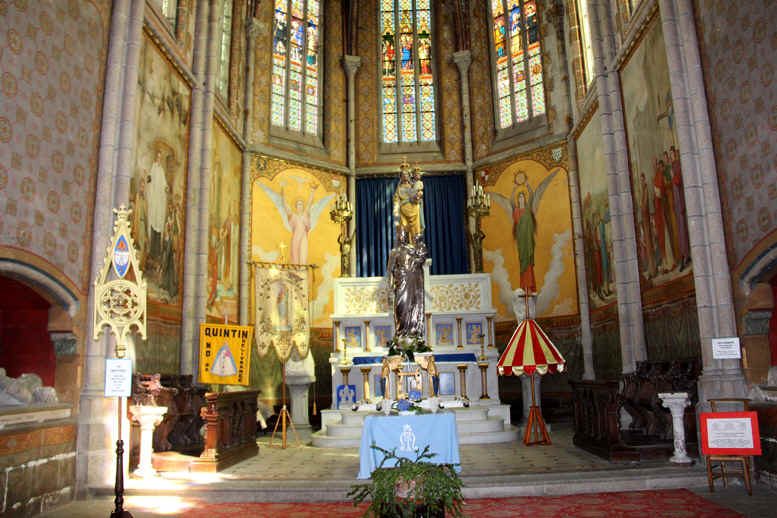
point(410, 487)
point(406, 347)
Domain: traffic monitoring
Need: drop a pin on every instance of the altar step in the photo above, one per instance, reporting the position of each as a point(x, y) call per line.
point(473, 424)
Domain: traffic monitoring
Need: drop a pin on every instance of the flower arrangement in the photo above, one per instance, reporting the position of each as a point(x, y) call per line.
point(407, 346)
point(411, 488)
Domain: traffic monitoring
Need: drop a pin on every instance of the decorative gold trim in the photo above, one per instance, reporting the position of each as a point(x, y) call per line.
point(265, 166)
point(635, 41)
point(543, 155)
point(120, 298)
point(580, 126)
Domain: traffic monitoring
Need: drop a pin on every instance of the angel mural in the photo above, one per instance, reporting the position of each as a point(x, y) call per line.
point(522, 207)
point(299, 220)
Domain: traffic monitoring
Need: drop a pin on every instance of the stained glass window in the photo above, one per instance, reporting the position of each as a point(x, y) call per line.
point(296, 66)
point(584, 30)
point(407, 79)
point(222, 79)
point(519, 88)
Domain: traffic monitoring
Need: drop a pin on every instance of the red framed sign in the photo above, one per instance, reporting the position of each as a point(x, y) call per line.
point(730, 433)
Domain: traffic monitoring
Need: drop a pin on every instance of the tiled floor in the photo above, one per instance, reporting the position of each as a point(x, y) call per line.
point(493, 470)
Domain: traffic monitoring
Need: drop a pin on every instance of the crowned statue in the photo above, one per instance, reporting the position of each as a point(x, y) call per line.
point(405, 268)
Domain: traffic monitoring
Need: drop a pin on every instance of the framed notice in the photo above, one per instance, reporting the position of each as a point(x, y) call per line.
point(730, 433)
point(726, 348)
point(118, 377)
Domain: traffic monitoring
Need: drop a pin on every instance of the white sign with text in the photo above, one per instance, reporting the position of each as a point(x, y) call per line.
point(726, 348)
point(118, 377)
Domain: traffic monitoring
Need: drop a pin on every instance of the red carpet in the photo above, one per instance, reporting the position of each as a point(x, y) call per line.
point(666, 503)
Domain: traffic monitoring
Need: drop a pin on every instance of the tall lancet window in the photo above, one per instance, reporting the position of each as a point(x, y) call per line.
point(225, 48)
point(586, 50)
point(296, 67)
point(407, 72)
point(517, 53)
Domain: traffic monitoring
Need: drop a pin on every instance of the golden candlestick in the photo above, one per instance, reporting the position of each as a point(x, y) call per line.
point(483, 379)
point(461, 338)
point(478, 206)
point(463, 379)
point(342, 214)
point(337, 337)
point(366, 382)
point(490, 321)
point(367, 336)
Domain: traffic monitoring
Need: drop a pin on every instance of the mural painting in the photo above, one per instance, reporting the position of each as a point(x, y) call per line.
point(157, 197)
point(528, 243)
point(654, 156)
point(595, 208)
point(158, 184)
point(224, 228)
point(290, 223)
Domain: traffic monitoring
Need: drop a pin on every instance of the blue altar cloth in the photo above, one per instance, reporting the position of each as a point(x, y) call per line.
point(409, 434)
point(438, 358)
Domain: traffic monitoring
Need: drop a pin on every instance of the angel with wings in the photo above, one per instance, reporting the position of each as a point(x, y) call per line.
point(522, 207)
point(300, 220)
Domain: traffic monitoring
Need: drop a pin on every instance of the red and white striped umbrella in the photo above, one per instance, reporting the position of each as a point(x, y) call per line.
point(529, 351)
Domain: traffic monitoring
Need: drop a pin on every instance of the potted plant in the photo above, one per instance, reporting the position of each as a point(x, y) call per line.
point(411, 489)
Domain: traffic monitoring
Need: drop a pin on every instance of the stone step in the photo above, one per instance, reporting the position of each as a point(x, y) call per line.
point(490, 424)
point(344, 430)
point(470, 414)
point(510, 434)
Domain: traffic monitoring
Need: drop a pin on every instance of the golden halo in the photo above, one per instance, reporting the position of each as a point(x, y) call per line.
point(520, 178)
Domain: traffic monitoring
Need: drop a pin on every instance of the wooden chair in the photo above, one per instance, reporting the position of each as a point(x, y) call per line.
point(744, 460)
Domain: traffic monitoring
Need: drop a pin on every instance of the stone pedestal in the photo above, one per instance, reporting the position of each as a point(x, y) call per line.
point(299, 375)
point(676, 403)
point(148, 417)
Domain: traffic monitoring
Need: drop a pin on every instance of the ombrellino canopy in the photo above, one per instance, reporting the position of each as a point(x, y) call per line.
point(529, 351)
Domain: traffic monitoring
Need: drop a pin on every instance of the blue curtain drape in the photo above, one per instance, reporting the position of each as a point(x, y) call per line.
point(444, 217)
point(445, 205)
point(374, 237)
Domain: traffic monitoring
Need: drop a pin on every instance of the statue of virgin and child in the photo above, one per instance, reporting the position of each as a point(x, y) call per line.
point(405, 268)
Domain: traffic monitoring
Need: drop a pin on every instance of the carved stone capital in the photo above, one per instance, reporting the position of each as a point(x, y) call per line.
point(463, 59)
point(351, 65)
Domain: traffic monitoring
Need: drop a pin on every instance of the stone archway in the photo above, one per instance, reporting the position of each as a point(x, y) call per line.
point(759, 319)
point(37, 327)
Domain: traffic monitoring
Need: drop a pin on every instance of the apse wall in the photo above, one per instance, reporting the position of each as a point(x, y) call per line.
point(51, 89)
point(738, 46)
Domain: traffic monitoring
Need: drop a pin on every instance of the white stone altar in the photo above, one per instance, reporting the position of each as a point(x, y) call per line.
point(460, 331)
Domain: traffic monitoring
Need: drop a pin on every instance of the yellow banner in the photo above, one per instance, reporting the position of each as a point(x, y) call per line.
point(225, 354)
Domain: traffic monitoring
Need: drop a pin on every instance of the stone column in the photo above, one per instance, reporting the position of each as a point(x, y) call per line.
point(626, 266)
point(351, 65)
point(204, 172)
point(96, 442)
point(190, 276)
point(711, 274)
point(252, 29)
point(463, 59)
point(148, 417)
point(127, 132)
point(676, 403)
point(582, 284)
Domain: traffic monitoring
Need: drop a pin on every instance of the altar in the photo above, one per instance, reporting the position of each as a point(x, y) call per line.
point(460, 331)
point(408, 435)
